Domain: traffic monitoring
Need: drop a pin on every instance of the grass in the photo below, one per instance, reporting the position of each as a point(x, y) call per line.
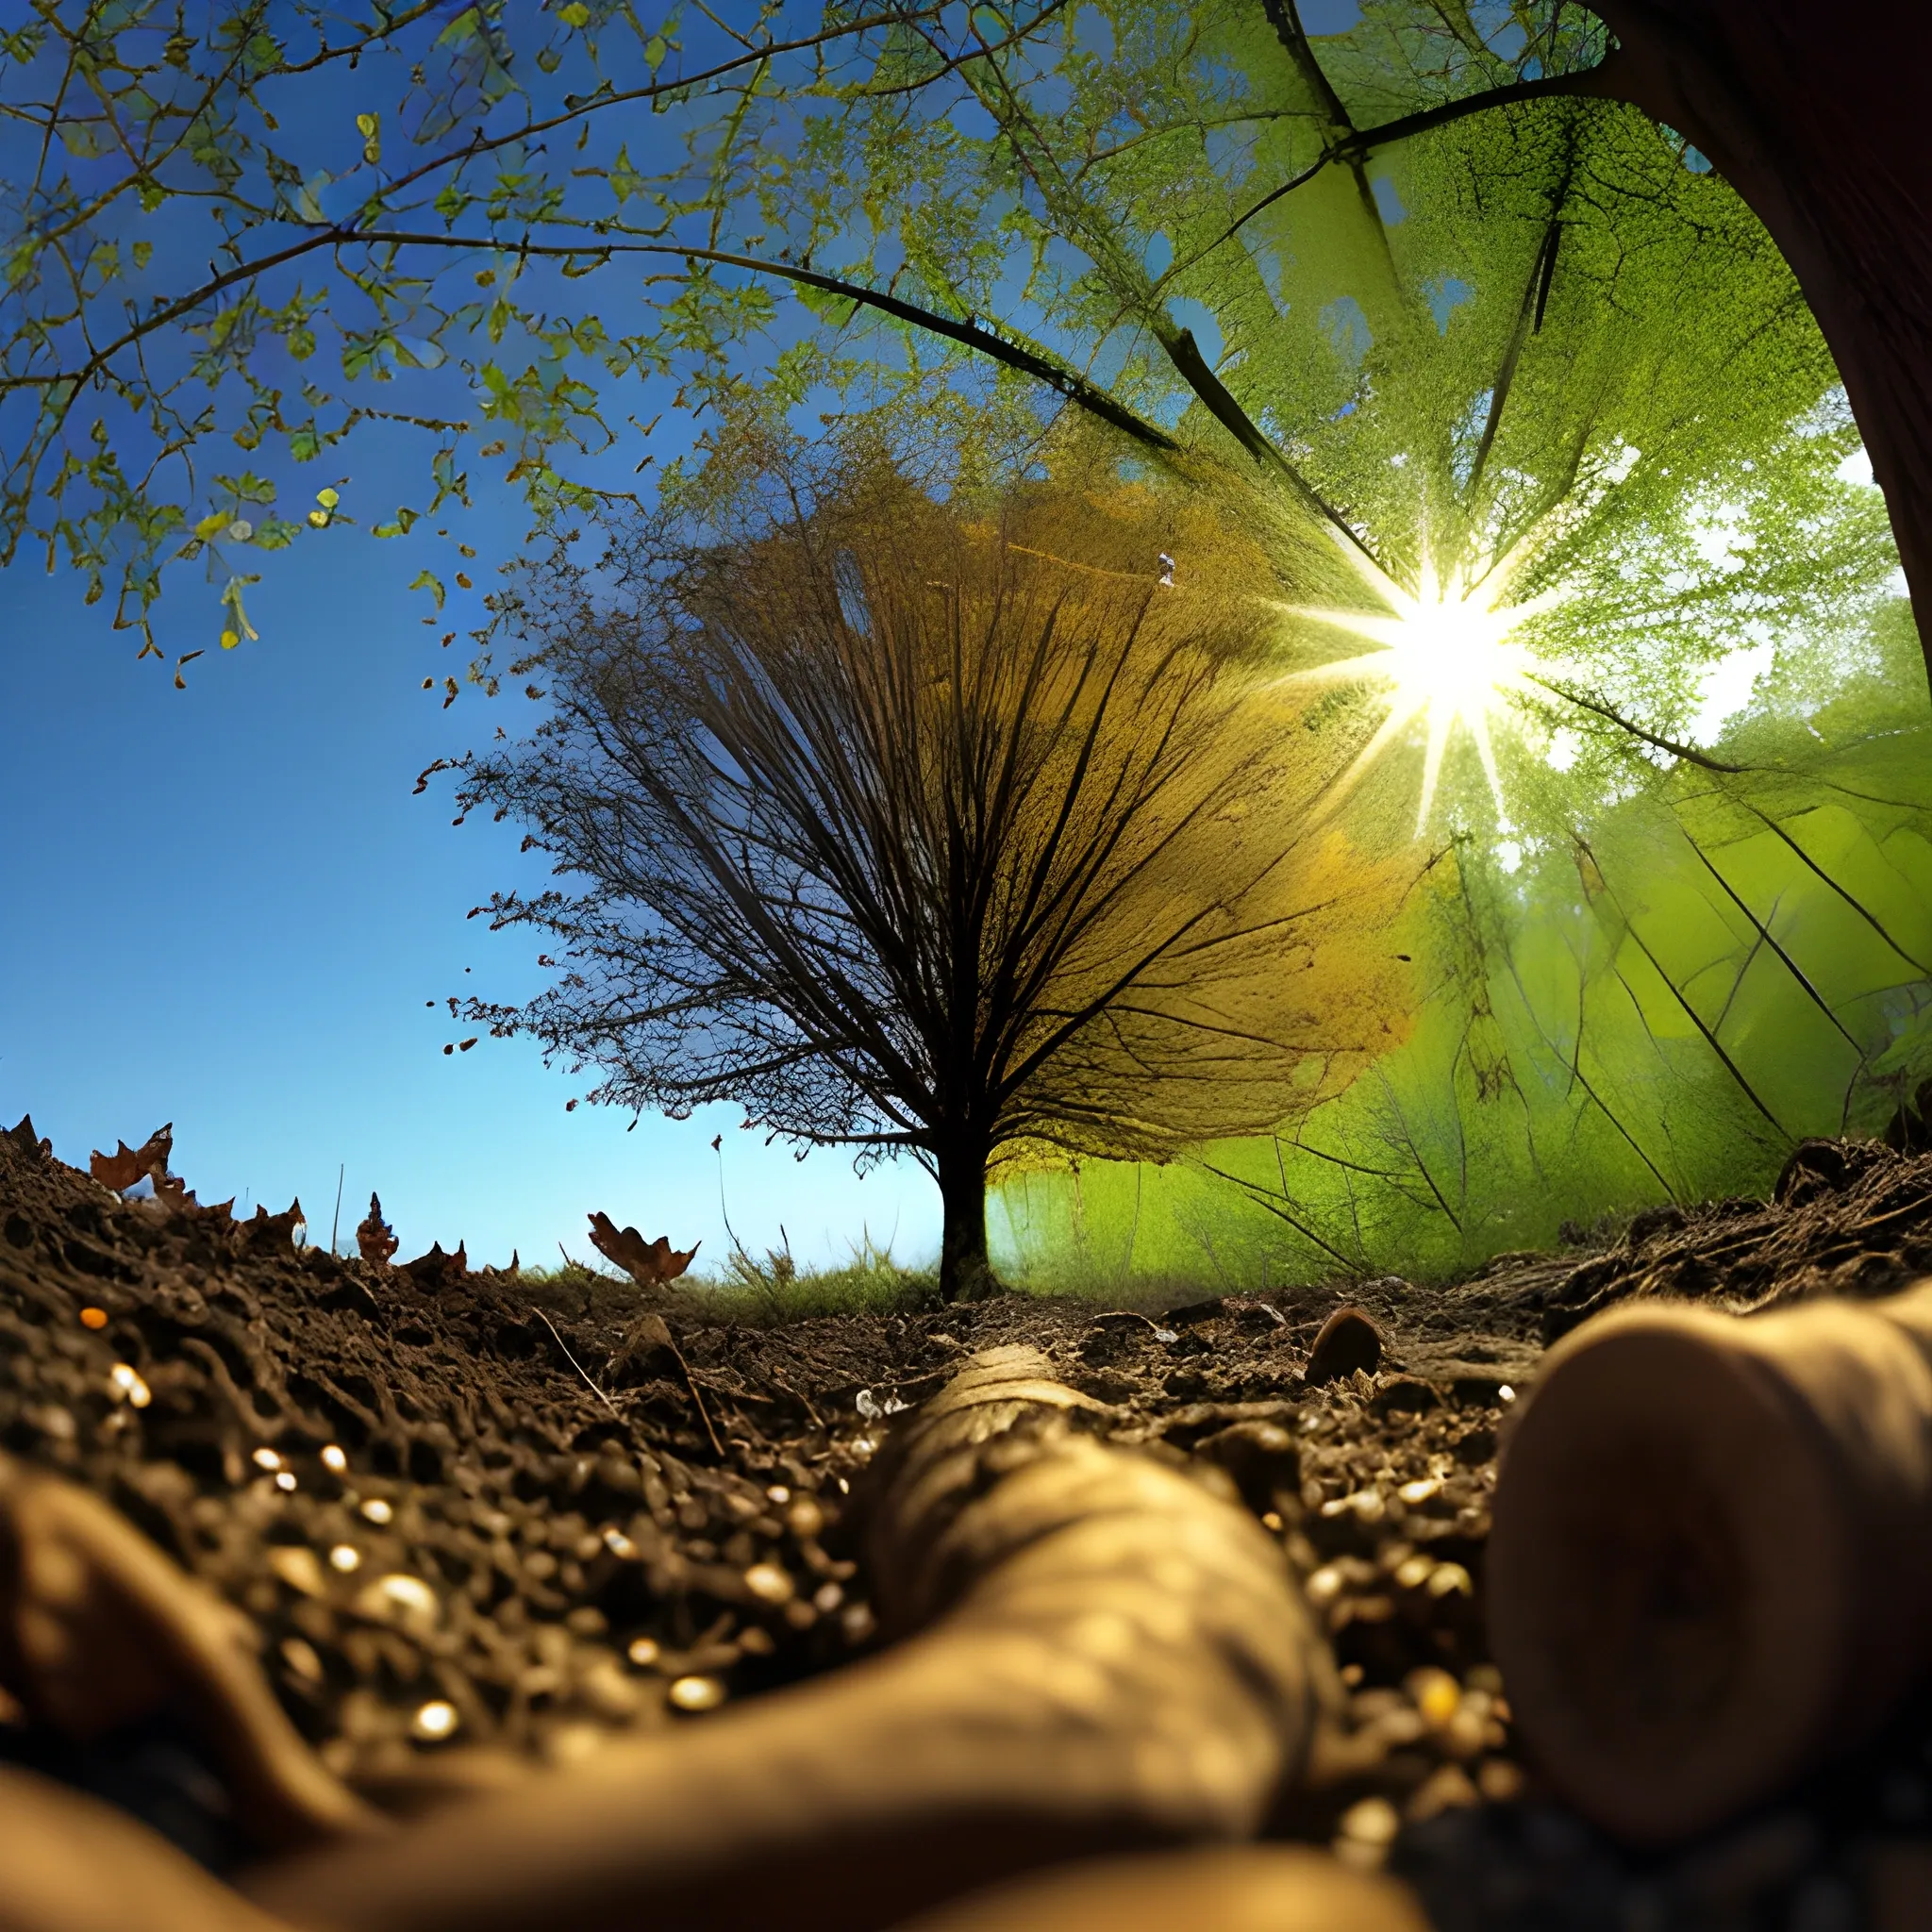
point(769, 1294)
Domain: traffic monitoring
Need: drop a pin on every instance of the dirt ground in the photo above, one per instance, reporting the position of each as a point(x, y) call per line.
point(464, 1508)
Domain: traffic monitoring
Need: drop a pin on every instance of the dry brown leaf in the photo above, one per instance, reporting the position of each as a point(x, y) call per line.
point(124, 1167)
point(651, 1264)
point(375, 1237)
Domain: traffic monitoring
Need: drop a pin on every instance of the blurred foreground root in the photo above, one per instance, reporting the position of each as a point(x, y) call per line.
point(1712, 1565)
point(1099, 1655)
point(1225, 1888)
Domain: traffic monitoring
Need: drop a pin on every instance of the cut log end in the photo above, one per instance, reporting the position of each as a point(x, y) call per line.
point(1668, 1575)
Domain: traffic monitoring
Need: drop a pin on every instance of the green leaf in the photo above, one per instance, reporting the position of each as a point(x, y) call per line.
point(428, 580)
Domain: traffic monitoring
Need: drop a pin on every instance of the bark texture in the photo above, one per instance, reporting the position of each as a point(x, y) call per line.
point(1817, 117)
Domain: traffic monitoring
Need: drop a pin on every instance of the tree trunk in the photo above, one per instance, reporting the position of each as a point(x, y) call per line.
point(1818, 118)
point(964, 1273)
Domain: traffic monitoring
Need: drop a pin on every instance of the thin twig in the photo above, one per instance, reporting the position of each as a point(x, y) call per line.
point(690, 1382)
point(579, 1367)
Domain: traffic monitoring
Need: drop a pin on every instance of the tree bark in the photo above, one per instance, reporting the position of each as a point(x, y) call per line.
point(965, 1273)
point(1818, 119)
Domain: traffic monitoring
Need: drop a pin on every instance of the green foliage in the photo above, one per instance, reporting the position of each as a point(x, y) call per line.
point(1655, 1004)
point(775, 1292)
point(1420, 278)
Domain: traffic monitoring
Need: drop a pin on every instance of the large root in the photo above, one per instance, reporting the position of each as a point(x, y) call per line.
point(1226, 1889)
point(1711, 1561)
point(100, 1631)
point(1107, 1657)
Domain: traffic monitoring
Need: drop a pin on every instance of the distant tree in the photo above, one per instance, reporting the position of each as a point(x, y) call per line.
point(912, 826)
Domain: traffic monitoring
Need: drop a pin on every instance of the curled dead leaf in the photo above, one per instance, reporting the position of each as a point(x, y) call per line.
point(128, 1165)
point(651, 1264)
point(374, 1238)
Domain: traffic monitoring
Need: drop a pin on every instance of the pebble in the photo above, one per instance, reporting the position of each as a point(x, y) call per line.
point(434, 1720)
point(697, 1693)
point(299, 1567)
point(769, 1583)
point(127, 1383)
point(346, 1557)
point(376, 1511)
point(334, 1460)
point(1348, 1340)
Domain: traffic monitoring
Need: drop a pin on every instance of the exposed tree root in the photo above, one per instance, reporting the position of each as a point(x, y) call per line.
point(1100, 1655)
point(1108, 1657)
point(1225, 1888)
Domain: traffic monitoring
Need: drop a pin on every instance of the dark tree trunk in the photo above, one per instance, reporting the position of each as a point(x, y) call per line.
point(964, 1273)
point(1819, 117)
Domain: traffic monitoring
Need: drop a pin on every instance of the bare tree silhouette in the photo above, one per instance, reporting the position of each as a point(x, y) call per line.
point(925, 827)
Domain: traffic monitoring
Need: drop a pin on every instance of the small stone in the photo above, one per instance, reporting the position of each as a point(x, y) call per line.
point(346, 1557)
point(268, 1459)
point(1435, 1694)
point(1449, 1580)
point(769, 1583)
point(697, 1693)
point(376, 1511)
point(1371, 1822)
point(758, 1642)
point(299, 1567)
point(434, 1720)
point(1349, 1340)
point(587, 1619)
point(334, 1460)
point(1414, 1571)
point(1446, 1788)
point(94, 1317)
point(1323, 1586)
point(1420, 1490)
point(644, 1651)
point(398, 1599)
point(285, 1480)
point(127, 1384)
point(1499, 1781)
point(299, 1655)
point(827, 1598)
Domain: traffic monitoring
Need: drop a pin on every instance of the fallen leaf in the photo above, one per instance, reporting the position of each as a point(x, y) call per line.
point(128, 1165)
point(648, 1264)
point(374, 1238)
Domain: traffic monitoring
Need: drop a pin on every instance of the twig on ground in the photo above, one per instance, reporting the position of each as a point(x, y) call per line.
point(579, 1367)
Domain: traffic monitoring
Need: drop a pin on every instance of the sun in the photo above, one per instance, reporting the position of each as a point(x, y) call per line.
point(1446, 653)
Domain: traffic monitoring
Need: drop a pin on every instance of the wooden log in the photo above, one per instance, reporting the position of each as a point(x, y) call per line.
point(1711, 1561)
point(1097, 1656)
point(1225, 1888)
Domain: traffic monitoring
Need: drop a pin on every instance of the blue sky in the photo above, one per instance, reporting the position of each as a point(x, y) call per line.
point(224, 907)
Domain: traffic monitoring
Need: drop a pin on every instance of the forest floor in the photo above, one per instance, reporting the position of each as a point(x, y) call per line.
point(471, 1509)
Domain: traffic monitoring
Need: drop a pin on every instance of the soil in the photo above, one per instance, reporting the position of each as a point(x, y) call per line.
point(469, 1509)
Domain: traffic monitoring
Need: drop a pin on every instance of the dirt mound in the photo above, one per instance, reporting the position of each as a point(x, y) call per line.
point(466, 1509)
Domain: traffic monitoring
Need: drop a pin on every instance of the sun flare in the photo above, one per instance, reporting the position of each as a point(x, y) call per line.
point(1445, 654)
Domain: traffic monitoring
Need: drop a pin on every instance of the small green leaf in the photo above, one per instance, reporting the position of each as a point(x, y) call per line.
point(428, 580)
